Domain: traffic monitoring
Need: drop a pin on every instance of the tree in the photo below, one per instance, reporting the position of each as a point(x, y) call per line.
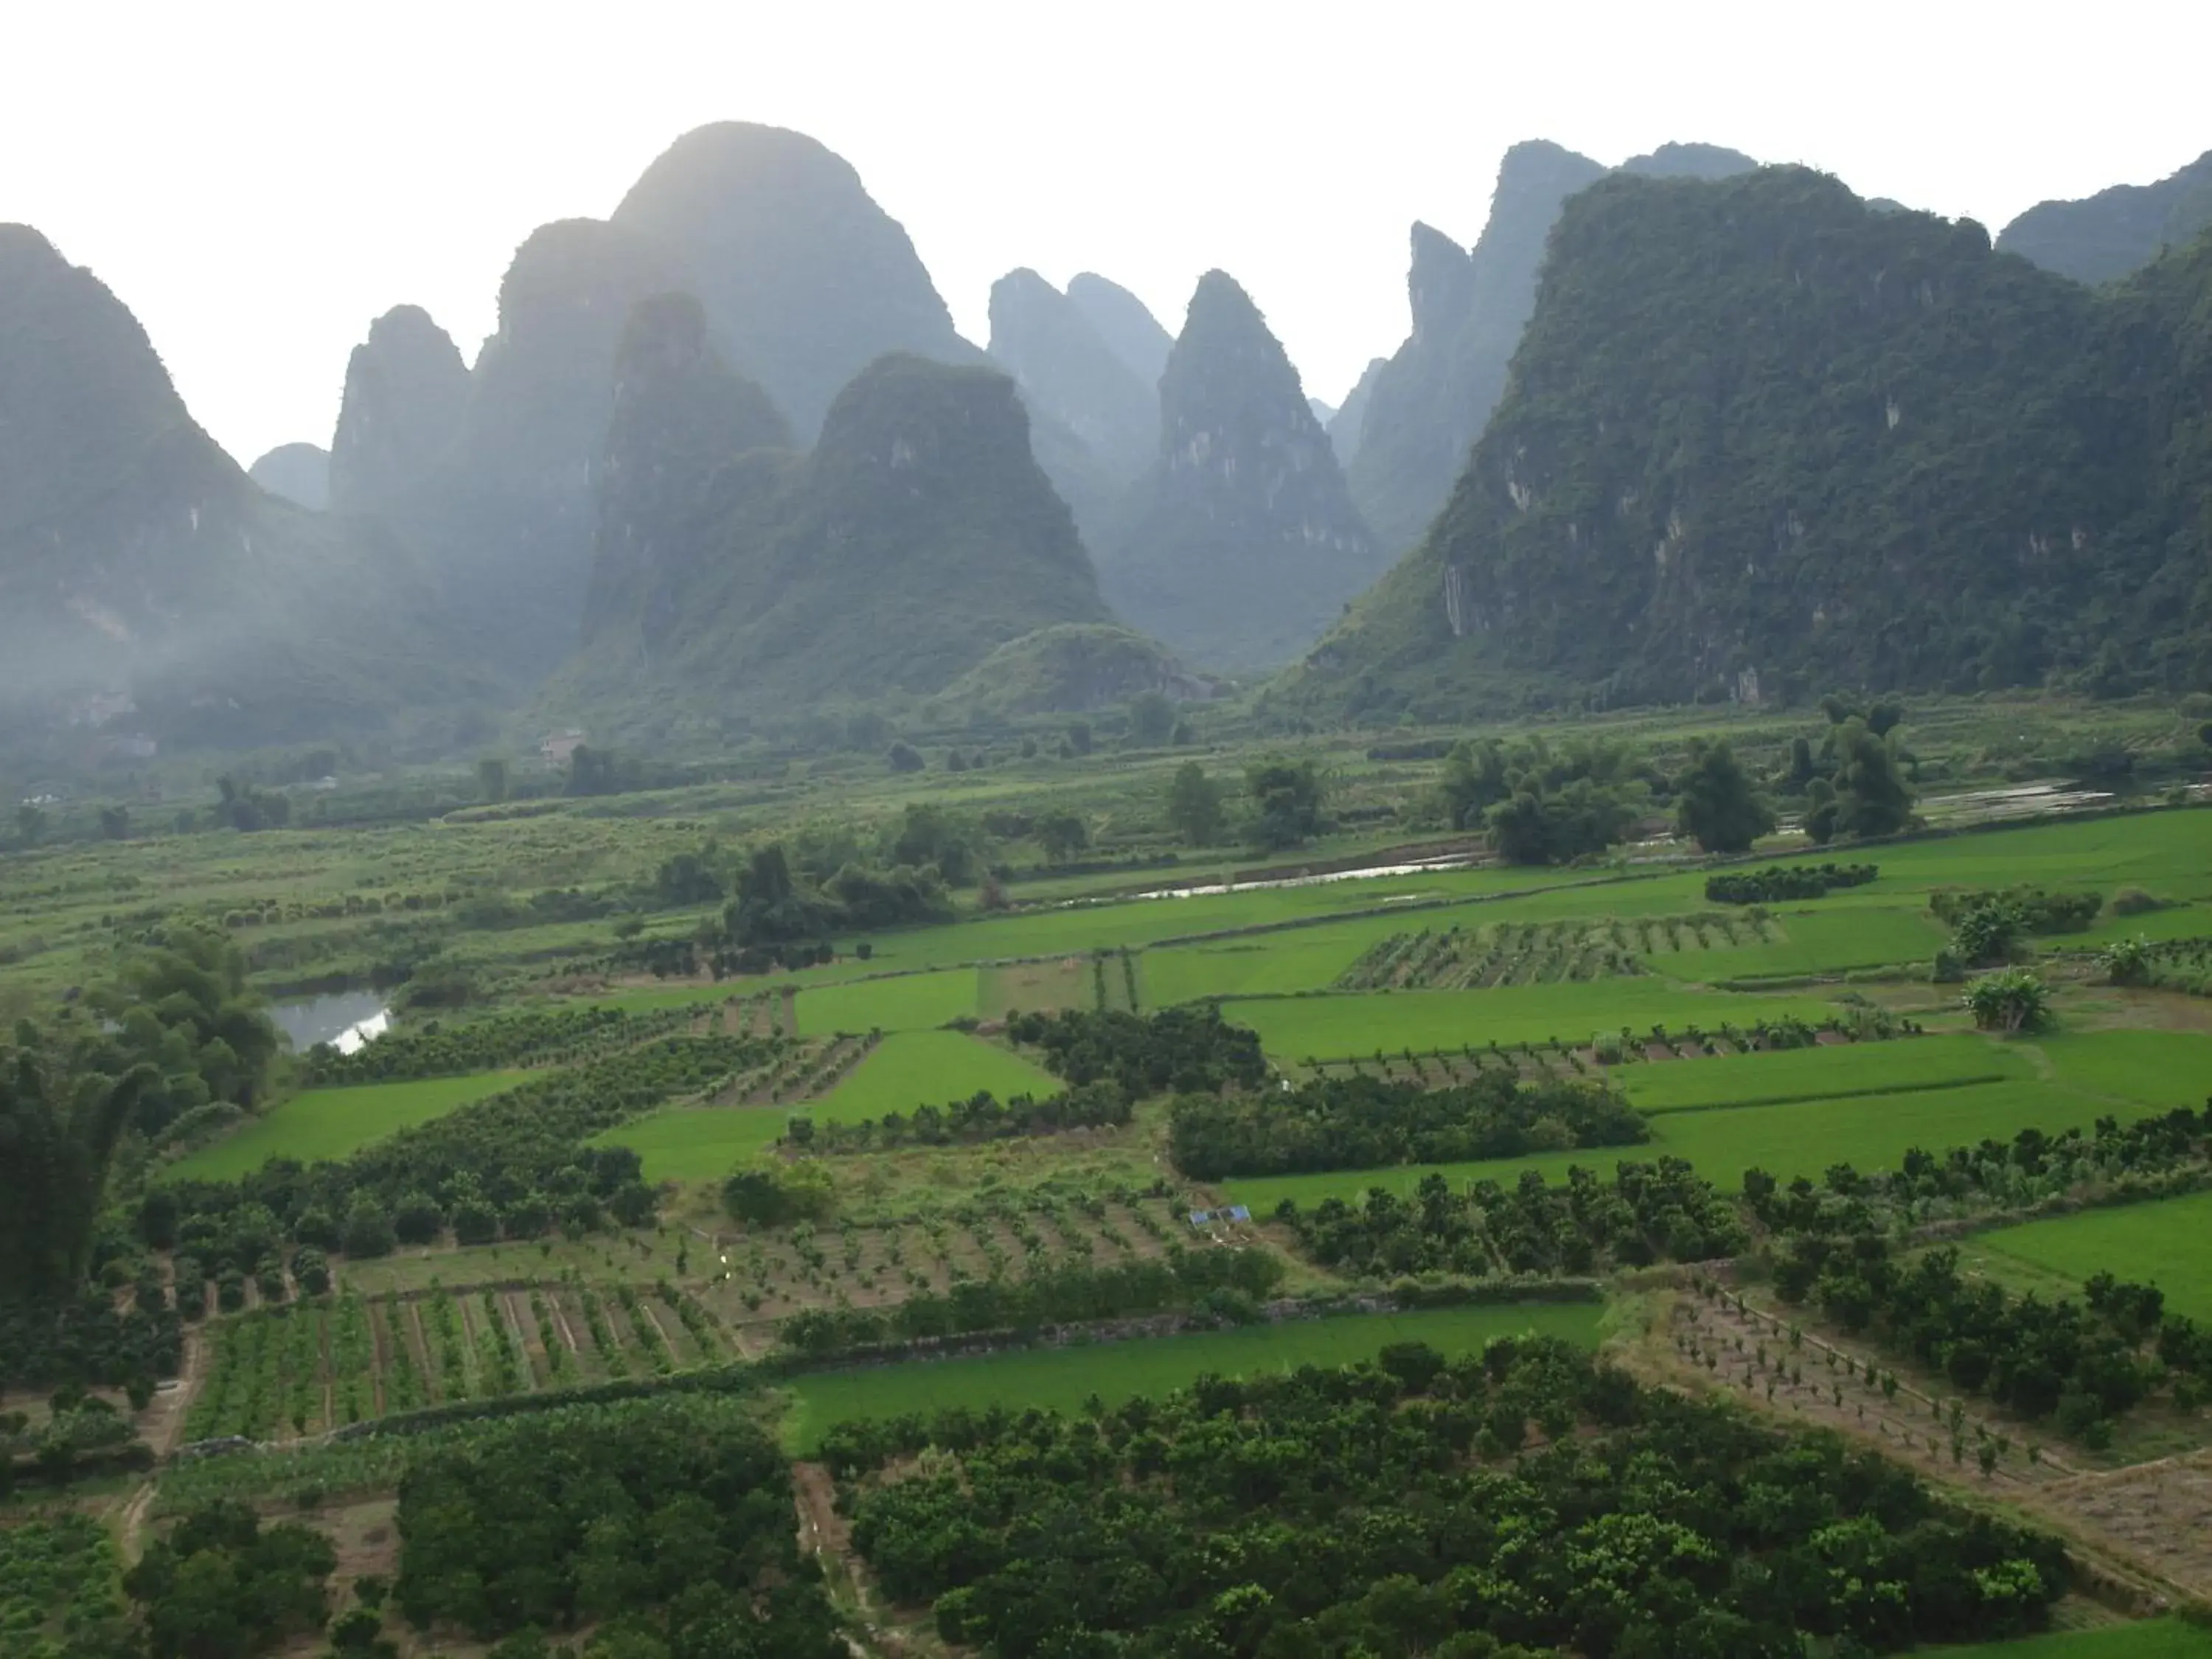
point(771, 907)
point(58, 1127)
point(1079, 736)
point(1062, 835)
point(369, 1230)
point(115, 823)
point(930, 835)
point(1286, 799)
point(1474, 781)
point(905, 757)
point(1868, 794)
point(2009, 1000)
point(1152, 718)
point(1717, 804)
point(30, 823)
point(492, 778)
point(1193, 809)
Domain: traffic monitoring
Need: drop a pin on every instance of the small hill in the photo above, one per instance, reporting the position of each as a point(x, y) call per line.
point(406, 389)
point(1240, 544)
point(917, 537)
point(2115, 231)
point(806, 279)
point(1069, 668)
point(1763, 438)
point(146, 583)
point(300, 473)
point(1427, 404)
point(1124, 322)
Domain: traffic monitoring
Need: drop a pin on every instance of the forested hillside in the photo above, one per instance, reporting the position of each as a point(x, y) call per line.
point(2118, 230)
point(1762, 436)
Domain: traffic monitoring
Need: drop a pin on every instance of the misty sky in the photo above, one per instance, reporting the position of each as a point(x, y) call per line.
point(258, 180)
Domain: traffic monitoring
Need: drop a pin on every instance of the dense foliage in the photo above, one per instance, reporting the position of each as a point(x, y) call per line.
point(1650, 1213)
point(1227, 1282)
point(1187, 1049)
point(980, 1117)
point(1541, 804)
point(181, 1006)
point(1364, 1122)
point(86, 1340)
point(1990, 927)
point(674, 1541)
point(1773, 884)
point(58, 1596)
point(1717, 804)
point(524, 1037)
point(223, 1583)
point(1390, 1508)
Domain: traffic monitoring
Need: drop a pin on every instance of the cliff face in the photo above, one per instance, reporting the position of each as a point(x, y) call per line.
point(145, 581)
point(406, 389)
point(1240, 544)
point(916, 537)
point(805, 279)
point(1764, 438)
point(1427, 404)
point(2115, 231)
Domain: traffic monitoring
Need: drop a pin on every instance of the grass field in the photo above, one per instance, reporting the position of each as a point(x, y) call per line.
point(1816, 942)
point(2168, 1244)
point(1801, 1138)
point(329, 1123)
point(2156, 1068)
point(2153, 1638)
point(1293, 1028)
point(1061, 1379)
point(1052, 986)
point(1821, 1073)
point(907, 1069)
point(911, 1002)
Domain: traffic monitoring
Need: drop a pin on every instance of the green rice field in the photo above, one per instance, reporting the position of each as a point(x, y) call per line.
point(1799, 1137)
point(909, 1002)
point(2156, 1068)
point(1295, 1029)
point(1821, 1073)
point(1061, 1379)
point(1816, 942)
point(907, 1069)
point(2168, 1244)
point(331, 1123)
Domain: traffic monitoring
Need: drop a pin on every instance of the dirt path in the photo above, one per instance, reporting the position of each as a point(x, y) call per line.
point(825, 1534)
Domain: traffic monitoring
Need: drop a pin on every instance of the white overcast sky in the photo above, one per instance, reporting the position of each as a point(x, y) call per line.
point(256, 181)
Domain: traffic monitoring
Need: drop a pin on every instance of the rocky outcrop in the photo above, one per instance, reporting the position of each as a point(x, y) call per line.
point(1241, 543)
point(2115, 231)
point(1068, 373)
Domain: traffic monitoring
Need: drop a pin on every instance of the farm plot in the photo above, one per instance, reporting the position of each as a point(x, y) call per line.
point(905, 1002)
point(1809, 942)
point(1800, 1138)
point(1049, 987)
point(764, 1278)
point(2156, 1068)
point(1061, 1379)
point(2168, 1244)
point(1823, 1073)
point(2153, 1638)
point(285, 1372)
point(1293, 1030)
point(332, 1123)
point(1458, 957)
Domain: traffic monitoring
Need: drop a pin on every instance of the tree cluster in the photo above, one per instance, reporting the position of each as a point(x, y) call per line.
point(1990, 927)
point(1774, 883)
point(1229, 1282)
point(1857, 783)
point(1189, 1050)
point(1538, 804)
point(524, 1037)
point(980, 1117)
point(1649, 1212)
point(223, 1583)
point(1365, 1122)
point(1390, 1508)
point(674, 1538)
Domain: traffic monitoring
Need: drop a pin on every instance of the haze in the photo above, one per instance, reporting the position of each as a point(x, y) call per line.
point(257, 185)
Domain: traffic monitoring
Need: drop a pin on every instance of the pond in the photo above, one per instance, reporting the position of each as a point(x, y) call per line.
point(344, 1019)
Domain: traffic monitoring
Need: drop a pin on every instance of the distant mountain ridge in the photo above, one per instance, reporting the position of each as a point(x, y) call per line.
point(1763, 438)
point(300, 473)
point(2116, 231)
